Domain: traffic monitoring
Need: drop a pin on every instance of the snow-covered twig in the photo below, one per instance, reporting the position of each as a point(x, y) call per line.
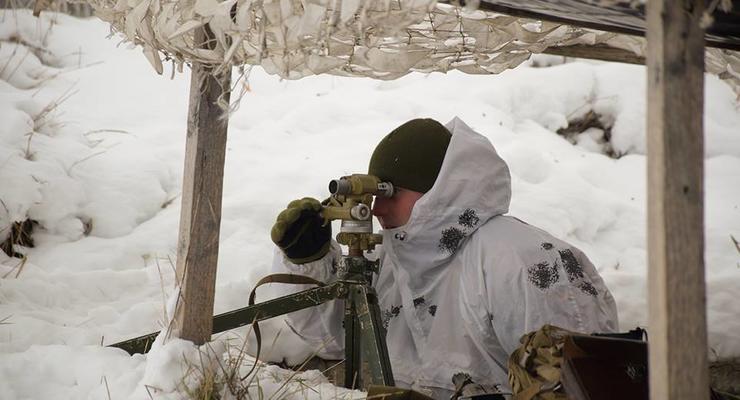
point(51, 107)
point(74, 164)
point(19, 267)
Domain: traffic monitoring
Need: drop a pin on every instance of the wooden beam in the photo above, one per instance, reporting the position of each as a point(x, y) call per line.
point(200, 217)
point(676, 287)
point(617, 18)
point(600, 52)
point(549, 12)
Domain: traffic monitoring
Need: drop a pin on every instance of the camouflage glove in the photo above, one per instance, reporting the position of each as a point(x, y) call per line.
point(299, 233)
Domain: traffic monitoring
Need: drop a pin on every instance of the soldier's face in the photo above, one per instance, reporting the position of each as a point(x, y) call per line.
point(395, 211)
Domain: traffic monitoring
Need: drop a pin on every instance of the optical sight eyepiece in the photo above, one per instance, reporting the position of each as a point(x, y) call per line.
point(385, 189)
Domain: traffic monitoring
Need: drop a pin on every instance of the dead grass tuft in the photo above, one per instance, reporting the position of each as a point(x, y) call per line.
point(725, 377)
point(20, 235)
point(591, 120)
point(215, 377)
point(219, 376)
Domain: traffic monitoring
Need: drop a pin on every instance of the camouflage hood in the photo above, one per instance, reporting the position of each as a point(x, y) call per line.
point(474, 185)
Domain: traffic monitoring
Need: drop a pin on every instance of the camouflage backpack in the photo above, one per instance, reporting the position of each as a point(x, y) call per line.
point(534, 367)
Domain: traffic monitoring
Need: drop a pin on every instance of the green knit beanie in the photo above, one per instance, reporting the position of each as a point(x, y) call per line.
point(411, 156)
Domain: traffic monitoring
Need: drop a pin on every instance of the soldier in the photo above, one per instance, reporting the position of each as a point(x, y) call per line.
point(460, 282)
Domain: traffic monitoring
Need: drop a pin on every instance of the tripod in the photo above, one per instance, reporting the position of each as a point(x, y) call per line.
point(364, 333)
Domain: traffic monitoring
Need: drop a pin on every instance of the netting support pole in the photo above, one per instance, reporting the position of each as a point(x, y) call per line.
point(676, 287)
point(200, 217)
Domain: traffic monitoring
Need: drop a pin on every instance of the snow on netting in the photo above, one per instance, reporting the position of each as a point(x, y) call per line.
point(382, 39)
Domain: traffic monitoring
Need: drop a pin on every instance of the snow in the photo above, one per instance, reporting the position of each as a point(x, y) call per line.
point(92, 144)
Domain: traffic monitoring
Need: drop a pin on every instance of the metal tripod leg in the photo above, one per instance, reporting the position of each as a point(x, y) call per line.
point(363, 305)
point(352, 362)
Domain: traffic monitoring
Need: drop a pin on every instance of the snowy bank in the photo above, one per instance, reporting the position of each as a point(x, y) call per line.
point(91, 149)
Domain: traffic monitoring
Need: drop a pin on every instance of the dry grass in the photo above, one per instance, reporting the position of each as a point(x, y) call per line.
point(210, 383)
point(214, 376)
point(18, 268)
point(590, 120)
point(10, 59)
point(725, 377)
point(218, 376)
point(44, 56)
point(20, 234)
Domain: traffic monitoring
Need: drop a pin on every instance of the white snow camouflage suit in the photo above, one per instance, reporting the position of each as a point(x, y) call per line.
point(460, 283)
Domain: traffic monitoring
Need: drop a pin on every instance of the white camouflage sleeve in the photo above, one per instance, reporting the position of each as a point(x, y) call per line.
point(320, 327)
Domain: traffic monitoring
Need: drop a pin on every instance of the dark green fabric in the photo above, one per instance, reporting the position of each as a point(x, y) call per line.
point(300, 233)
point(411, 155)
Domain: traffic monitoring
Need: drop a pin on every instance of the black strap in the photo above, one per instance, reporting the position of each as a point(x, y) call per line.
point(274, 278)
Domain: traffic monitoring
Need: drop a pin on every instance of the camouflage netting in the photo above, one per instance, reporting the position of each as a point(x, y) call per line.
point(726, 65)
point(382, 39)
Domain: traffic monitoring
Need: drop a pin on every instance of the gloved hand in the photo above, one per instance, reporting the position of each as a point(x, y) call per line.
point(299, 233)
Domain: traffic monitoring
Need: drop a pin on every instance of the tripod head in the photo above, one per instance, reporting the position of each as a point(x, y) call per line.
point(351, 201)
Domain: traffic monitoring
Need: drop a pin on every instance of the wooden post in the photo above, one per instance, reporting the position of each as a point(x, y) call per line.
point(676, 286)
point(200, 217)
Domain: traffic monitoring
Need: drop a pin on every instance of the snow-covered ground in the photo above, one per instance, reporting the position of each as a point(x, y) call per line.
point(92, 144)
